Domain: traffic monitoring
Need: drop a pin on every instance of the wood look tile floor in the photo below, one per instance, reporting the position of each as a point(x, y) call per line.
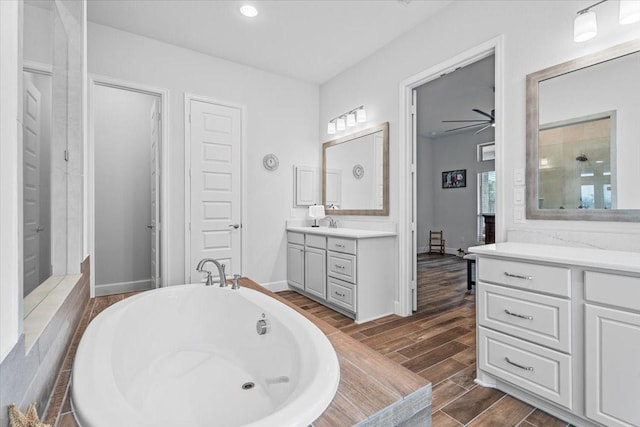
point(439, 343)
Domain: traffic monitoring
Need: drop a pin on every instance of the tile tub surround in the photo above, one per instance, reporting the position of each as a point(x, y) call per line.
point(373, 390)
point(29, 375)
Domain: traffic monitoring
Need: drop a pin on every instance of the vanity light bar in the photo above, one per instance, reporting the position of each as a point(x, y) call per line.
point(348, 119)
point(585, 25)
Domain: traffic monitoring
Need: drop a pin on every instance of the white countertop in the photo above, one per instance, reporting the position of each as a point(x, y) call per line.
point(351, 233)
point(595, 258)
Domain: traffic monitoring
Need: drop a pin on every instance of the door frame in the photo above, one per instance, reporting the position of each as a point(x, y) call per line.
point(163, 95)
point(188, 97)
point(407, 149)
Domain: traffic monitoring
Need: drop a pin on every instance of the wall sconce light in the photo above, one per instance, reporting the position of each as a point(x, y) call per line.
point(585, 25)
point(348, 119)
point(331, 128)
point(629, 11)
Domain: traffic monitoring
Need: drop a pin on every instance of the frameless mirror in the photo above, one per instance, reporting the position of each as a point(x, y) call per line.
point(583, 138)
point(355, 173)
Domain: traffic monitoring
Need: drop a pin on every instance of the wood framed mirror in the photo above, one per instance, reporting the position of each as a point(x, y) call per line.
point(355, 173)
point(583, 138)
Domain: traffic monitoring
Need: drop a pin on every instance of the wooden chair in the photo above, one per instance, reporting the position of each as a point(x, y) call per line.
point(436, 241)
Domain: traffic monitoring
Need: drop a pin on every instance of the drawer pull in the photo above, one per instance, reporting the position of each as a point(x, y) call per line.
point(526, 368)
point(338, 245)
point(518, 276)
point(522, 316)
point(339, 294)
point(339, 266)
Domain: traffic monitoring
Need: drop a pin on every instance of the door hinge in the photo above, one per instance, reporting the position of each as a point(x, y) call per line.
point(413, 109)
point(189, 172)
point(66, 155)
point(158, 115)
point(413, 168)
point(413, 285)
point(189, 226)
point(413, 226)
point(189, 117)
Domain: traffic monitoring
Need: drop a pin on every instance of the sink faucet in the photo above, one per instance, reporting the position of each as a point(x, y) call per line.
point(221, 274)
point(332, 222)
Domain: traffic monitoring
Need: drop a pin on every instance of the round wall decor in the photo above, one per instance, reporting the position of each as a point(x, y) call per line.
point(358, 171)
point(270, 162)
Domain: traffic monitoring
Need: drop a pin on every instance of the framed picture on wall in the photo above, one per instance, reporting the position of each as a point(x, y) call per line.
point(454, 179)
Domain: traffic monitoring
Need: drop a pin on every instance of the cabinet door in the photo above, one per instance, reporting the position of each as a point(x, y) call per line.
point(295, 265)
point(315, 272)
point(612, 358)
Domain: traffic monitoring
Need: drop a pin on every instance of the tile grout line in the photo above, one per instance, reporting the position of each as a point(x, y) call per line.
point(450, 417)
point(486, 409)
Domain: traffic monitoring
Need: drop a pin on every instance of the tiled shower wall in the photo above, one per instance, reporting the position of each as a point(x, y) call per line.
point(30, 377)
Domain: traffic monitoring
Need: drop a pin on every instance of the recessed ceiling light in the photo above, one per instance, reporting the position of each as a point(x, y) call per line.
point(249, 11)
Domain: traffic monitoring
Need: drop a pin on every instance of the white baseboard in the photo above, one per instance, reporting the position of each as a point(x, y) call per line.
point(276, 286)
point(118, 288)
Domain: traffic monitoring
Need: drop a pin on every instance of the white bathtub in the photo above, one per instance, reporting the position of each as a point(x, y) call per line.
point(179, 356)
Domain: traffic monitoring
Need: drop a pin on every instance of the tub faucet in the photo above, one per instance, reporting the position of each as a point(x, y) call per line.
point(221, 274)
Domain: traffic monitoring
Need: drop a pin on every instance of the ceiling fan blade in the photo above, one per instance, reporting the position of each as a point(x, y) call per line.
point(460, 121)
point(483, 113)
point(465, 127)
point(480, 130)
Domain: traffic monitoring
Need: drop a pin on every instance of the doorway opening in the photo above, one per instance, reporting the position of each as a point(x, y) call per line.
point(482, 119)
point(127, 204)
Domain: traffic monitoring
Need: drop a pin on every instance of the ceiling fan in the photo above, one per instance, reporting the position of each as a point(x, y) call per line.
point(485, 123)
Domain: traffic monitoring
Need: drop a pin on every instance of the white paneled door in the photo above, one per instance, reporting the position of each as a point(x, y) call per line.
point(154, 143)
point(215, 186)
point(31, 185)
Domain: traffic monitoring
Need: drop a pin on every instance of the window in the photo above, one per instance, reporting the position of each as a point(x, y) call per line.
point(486, 152)
point(486, 199)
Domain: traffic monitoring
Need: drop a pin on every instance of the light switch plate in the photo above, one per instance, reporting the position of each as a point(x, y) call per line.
point(518, 196)
point(518, 176)
point(518, 215)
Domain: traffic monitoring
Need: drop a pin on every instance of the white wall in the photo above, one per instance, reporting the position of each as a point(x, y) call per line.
point(281, 118)
point(536, 35)
point(122, 185)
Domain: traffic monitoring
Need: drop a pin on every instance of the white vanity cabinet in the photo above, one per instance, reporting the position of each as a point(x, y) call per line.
point(559, 328)
point(351, 271)
point(612, 348)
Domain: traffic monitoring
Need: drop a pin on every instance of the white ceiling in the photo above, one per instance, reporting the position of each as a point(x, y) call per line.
point(310, 40)
point(454, 96)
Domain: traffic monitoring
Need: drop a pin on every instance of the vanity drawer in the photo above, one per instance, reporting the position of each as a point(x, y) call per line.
point(544, 372)
point(614, 289)
point(342, 266)
point(315, 241)
point(524, 275)
point(342, 293)
point(297, 238)
point(539, 318)
point(342, 245)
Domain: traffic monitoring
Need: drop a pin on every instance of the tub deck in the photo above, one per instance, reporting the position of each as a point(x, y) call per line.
point(373, 390)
